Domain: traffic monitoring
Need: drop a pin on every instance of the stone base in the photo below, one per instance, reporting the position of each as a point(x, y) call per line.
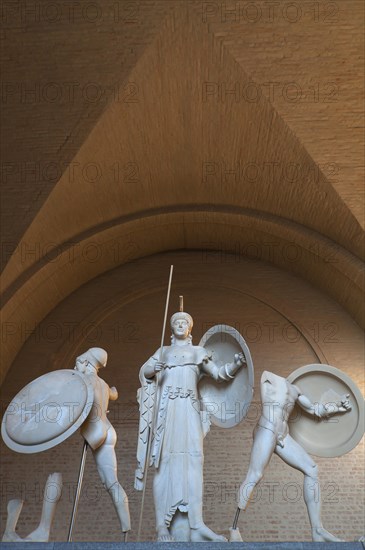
point(182, 545)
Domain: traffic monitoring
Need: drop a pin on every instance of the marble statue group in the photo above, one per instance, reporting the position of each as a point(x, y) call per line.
point(178, 385)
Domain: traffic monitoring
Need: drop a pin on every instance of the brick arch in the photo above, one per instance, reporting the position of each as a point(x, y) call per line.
point(210, 231)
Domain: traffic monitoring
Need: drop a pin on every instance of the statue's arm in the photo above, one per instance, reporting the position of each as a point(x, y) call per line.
point(314, 409)
point(152, 366)
point(225, 372)
point(149, 368)
point(323, 410)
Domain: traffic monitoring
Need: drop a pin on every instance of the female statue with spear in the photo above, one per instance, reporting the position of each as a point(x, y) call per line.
point(172, 432)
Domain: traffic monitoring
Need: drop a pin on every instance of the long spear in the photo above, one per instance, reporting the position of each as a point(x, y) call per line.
point(78, 491)
point(154, 407)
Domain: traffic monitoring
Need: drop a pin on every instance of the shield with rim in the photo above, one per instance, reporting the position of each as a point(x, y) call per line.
point(227, 403)
point(334, 436)
point(47, 411)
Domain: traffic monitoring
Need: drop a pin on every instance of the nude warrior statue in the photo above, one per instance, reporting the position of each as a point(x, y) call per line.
point(177, 445)
point(100, 434)
point(271, 435)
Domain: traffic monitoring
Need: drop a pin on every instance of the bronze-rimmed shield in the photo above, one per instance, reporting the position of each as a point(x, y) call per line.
point(334, 436)
point(47, 411)
point(227, 403)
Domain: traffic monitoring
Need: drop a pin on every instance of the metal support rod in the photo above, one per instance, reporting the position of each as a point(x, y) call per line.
point(154, 409)
point(78, 491)
point(235, 521)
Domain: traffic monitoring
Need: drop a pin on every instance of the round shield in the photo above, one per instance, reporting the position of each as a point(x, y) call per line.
point(340, 433)
point(227, 402)
point(47, 411)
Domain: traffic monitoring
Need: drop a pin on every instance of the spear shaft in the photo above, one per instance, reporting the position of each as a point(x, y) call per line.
point(150, 435)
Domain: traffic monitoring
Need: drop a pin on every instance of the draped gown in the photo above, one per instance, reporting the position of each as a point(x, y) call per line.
point(179, 430)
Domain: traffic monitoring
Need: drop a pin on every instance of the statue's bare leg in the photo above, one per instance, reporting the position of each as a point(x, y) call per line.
point(294, 455)
point(14, 508)
point(52, 494)
point(263, 446)
point(106, 464)
point(264, 442)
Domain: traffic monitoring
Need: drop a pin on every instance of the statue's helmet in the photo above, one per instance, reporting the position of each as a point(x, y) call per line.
point(182, 315)
point(97, 357)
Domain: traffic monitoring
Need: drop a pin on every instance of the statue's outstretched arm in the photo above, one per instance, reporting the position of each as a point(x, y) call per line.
point(225, 372)
point(324, 410)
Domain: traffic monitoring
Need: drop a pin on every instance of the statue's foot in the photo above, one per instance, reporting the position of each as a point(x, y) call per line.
point(319, 534)
point(163, 535)
point(11, 536)
point(203, 533)
point(235, 535)
point(41, 534)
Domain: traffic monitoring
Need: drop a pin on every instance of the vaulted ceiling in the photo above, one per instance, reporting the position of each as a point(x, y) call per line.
point(174, 124)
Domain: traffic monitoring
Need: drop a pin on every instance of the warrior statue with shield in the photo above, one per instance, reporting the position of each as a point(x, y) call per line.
point(46, 412)
point(279, 396)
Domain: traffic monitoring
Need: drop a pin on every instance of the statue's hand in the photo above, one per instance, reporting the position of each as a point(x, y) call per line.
point(239, 359)
point(80, 365)
point(341, 406)
point(160, 365)
point(345, 404)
